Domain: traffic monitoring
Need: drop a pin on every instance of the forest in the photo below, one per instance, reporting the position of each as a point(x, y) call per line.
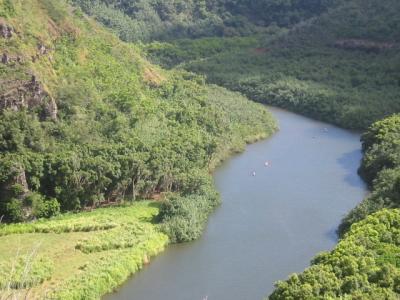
point(87, 122)
point(324, 68)
point(336, 61)
point(148, 20)
point(107, 102)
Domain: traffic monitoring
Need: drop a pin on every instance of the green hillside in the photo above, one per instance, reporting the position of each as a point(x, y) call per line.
point(342, 67)
point(87, 122)
point(337, 61)
point(147, 20)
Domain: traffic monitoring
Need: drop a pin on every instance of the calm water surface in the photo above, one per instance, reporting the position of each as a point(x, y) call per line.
point(269, 225)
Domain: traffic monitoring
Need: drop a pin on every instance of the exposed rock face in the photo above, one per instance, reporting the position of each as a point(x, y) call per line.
point(20, 178)
point(8, 190)
point(364, 45)
point(5, 59)
point(42, 49)
point(28, 94)
point(6, 31)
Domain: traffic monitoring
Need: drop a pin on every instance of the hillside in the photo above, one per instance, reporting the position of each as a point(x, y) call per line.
point(147, 20)
point(341, 67)
point(336, 61)
point(87, 122)
point(85, 119)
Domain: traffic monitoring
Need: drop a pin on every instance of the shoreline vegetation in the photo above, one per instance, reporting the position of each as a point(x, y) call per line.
point(78, 256)
point(338, 65)
point(87, 120)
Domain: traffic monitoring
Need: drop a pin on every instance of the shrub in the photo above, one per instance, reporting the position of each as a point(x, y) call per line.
point(183, 218)
point(14, 211)
point(125, 236)
point(6, 8)
point(46, 208)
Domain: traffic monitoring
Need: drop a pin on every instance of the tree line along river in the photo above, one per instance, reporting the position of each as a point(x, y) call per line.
point(283, 199)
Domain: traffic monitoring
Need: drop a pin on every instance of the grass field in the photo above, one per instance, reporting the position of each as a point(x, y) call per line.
point(77, 256)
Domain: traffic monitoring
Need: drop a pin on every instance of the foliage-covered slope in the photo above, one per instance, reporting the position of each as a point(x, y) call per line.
point(86, 120)
point(144, 20)
point(380, 168)
point(342, 67)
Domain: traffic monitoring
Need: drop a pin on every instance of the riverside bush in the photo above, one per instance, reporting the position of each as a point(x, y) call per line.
point(125, 236)
point(380, 167)
point(183, 218)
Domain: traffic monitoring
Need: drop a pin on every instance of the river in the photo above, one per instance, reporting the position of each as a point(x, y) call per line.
point(269, 225)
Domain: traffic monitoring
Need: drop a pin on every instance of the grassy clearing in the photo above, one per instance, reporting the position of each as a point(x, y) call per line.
point(56, 259)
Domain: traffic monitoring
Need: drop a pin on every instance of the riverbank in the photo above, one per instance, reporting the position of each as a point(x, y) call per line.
point(268, 225)
point(365, 264)
point(78, 256)
point(88, 254)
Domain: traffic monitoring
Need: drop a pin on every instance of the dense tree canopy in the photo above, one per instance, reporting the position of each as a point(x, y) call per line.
point(86, 120)
point(143, 20)
point(342, 67)
point(123, 127)
point(380, 168)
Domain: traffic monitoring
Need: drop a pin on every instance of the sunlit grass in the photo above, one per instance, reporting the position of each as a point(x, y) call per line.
point(35, 263)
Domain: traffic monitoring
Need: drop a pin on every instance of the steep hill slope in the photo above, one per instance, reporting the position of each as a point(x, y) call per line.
point(341, 64)
point(85, 119)
point(146, 20)
point(342, 67)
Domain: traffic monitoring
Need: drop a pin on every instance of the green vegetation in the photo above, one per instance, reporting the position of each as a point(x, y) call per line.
point(341, 67)
point(364, 265)
point(86, 121)
point(380, 168)
point(91, 122)
point(146, 20)
point(366, 262)
point(68, 264)
point(25, 272)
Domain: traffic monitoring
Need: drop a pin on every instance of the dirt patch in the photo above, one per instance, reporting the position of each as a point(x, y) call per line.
point(260, 51)
point(152, 77)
